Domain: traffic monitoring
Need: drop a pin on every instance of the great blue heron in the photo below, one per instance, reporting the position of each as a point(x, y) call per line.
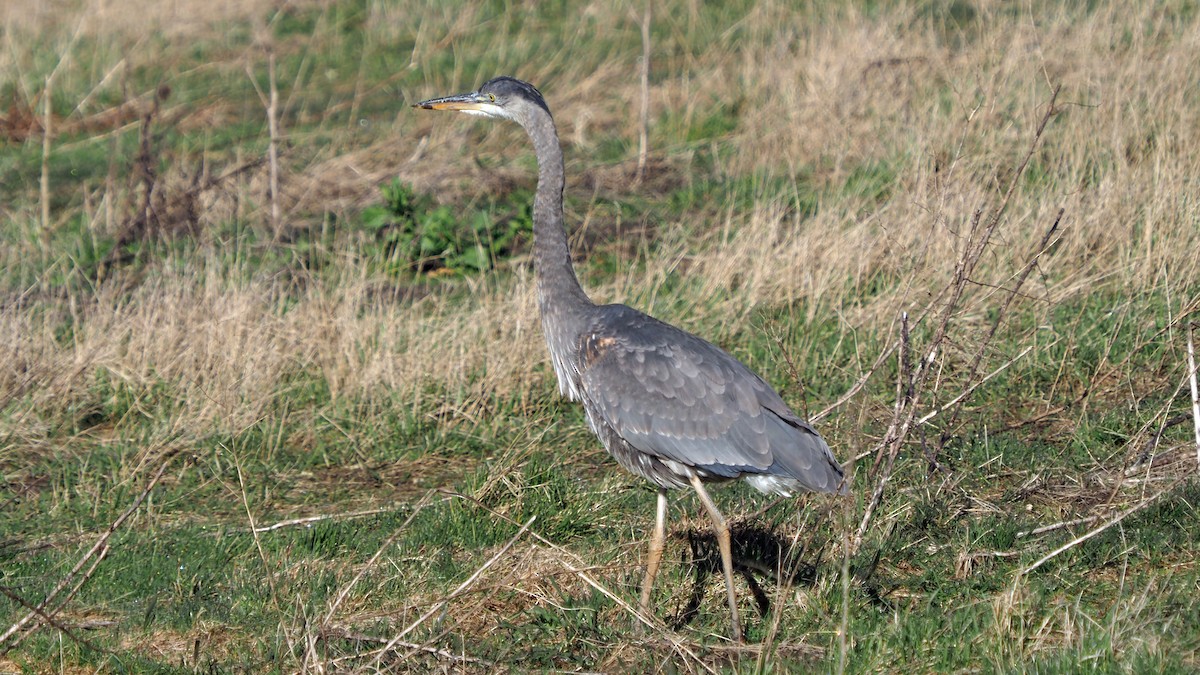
point(669, 406)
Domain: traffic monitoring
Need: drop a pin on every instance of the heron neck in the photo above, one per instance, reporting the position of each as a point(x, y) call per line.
point(559, 292)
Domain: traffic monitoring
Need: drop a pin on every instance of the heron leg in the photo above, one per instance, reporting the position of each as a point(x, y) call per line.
point(722, 531)
point(654, 556)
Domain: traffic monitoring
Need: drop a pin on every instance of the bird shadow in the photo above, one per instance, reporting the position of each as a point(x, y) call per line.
point(757, 553)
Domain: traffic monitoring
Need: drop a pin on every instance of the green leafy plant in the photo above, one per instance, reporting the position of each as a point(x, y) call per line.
point(417, 235)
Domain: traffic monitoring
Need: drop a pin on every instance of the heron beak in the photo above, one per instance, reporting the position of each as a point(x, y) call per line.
point(472, 101)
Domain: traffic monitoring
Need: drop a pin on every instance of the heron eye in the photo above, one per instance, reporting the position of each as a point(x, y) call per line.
point(492, 98)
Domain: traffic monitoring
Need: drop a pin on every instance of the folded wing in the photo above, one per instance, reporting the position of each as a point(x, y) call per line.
point(675, 396)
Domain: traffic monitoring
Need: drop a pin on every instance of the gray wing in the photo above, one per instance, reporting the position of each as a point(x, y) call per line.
point(675, 396)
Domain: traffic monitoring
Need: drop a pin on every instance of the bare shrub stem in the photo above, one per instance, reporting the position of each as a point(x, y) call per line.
point(45, 178)
point(911, 382)
point(1191, 350)
point(270, 102)
point(47, 133)
point(858, 384)
point(1091, 533)
point(273, 148)
point(644, 115)
point(969, 390)
point(981, 349)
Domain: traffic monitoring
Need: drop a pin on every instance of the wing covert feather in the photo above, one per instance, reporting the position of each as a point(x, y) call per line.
point(672, 395)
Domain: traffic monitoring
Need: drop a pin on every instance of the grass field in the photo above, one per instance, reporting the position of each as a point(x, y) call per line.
point(274, 397)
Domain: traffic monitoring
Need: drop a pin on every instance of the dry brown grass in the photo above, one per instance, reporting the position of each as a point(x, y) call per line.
point(852, 92)
point(949, 115)
point(173, 19)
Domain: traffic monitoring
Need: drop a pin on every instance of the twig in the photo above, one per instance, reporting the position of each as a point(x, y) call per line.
point(574, 570)
point(50, 621)
point(587, 579)
point(911, 385)
point(894, 436)
point(48, 115)
point(629, 608)
point(1046, 414)
point(99, 550)
point(437, 606)
point(1058, 526)
point(262, 555)
point(273, 148)
point(903, 375)
point(270, 101)
point(294, 522)
point(975, 246)
point(1091, 533)
point(1152, 444)
point(347, 634)
point(858, 385)
point(973, 387)
point(987, 339)
point(1191, 349)
point(793, 371)
point(644, 117)
point(371, 563)
point(148, 173)
point(147, 217)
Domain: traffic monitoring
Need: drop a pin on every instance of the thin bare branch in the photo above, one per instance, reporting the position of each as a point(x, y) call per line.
point(911, 384)
point(967, 392)
point(858, 384)
point(49, 620)
point(1060, 525)
point(347, 634)
point(981, 349)
point(345, 591)
point(1091, 533)
point(1191, 350)
point(437, 606)
point(98, 550)
point(309, 520)
point(644, 115)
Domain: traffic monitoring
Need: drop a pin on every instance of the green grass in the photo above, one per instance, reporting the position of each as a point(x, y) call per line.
point(366, 365)
point(189, 562)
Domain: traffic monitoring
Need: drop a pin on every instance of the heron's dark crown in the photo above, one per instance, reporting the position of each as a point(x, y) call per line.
point(510, 87)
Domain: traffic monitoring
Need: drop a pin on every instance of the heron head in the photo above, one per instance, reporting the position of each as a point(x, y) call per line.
point(504, 97)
